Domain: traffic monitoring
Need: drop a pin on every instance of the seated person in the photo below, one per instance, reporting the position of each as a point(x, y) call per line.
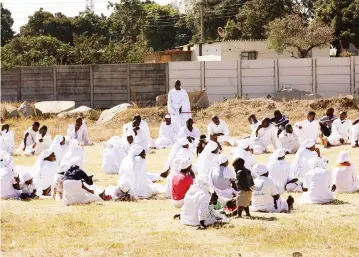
point(326, 122)
point(181, 182)
point(202, 142)
point(43, 141)
point(189, 131)
point(30, 136)
point(340, 132)
point(245, 152)
point(279, 120)
point(317, 184)
point(344, 174)
point(79, 131)
point(355, 134)
point(28, 189)
point(264, 135)
point(220, 129)
point(253, 122)
point(288, 140)
point(266, 197)
point(307, 129)
point(8, 142)
point(9, 180)
point(167, 134)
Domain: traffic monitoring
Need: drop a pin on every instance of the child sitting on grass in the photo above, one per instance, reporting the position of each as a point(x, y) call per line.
point(28, 188)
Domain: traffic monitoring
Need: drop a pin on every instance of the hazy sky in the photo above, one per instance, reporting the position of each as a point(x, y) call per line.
point(22, 9)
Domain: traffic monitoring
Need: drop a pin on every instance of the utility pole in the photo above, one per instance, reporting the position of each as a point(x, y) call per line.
point(202, 29)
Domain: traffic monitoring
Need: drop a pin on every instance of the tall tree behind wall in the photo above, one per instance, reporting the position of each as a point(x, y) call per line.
point(6, 23)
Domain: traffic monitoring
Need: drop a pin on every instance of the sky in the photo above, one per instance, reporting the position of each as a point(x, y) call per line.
point(22, 9)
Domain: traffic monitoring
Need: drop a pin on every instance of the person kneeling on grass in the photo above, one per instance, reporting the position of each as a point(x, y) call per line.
point(265, 194)
point(28, 189)
point(76, 187)
point(198, 207)
point(181, 182)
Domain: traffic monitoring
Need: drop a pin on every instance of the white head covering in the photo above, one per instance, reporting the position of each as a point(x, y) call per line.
point(308, 143)
point(57, 148)
point(211, 146)
point(184, 163)
point(26, 176)
point(220, 159)
point(202, 184)
point(135, 150)
point(260, 169)
point(125, 186)
point(343, 157)
point(243, 144)
point(279, 153)
point(74, 156)
point(183, 141)
point(168, 116)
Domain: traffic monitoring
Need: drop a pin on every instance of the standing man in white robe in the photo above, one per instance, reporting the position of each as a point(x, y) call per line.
point(355, 134)
point(245, 152)
point(8, 137)
point(305, 159)
point(265, 196)
point(167, 134)
point(220, 129)
point(189, 132)
point(178, 105)
point(30, 136)
point(340, 132)
point(344, 174)
point(317, 186)
point(265, 134)
point(288, 140)
point(308, 129)
point(79, 132)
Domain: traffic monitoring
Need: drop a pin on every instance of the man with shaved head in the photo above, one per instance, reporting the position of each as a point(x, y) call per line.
point(178, 105)
point(220, 129)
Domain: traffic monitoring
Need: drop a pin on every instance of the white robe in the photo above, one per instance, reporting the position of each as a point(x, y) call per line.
point(340, 130)
point(75, 155)
point(167, 136)
point(184, 132)
point(262, 198)
point(345, 179)
point(309, 130)
point(115, 151)
point(179, 99)
point(7, 176)
point(318, 182)
point(58, 149)
point(355, 134)
point(196, 208)
point(74, 194)
point(44, 175)
point(133, 171)
point(44, 145)
point(248, 157)
point(223, 173)
point(304, 161)
point(81, 135)
point(31, 138)
point(8, 141)
point(205, 164)
point(288, 142)
point(266, 136)
point(143, 134)
point(221, 128)
point(280, 173)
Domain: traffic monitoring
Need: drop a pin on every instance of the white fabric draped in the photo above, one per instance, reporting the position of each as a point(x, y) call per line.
point(7, 176)
point(288, 142)
point(74, 194)
point(75, 155)
point(178, 99)
point(248, 157)
point(340, 130)
point(345, 179)
point(167, 136)
point(42, 146)
point(309, 130)
point(115, 151)
point(206, 161)
point(7, 141)
point(266, 136)
point(355, 134)
point(44, 172)
point(280, 173)
point(222, 127)
point(81, 135)
point(58, 149)
point(304, 161)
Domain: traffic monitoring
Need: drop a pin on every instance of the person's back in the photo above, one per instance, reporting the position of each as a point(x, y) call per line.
point(279, 172)
point(265, 189)
point(344, 178)
point(318, 182)
point(221, 180)
point(194, 202)
point(180, 185)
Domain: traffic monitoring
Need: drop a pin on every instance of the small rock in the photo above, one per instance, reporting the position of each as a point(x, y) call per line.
point(26, 110)
point(109, 114)
point(11, 112)
point(79, 111)
point(287, 94)
point(54, 107)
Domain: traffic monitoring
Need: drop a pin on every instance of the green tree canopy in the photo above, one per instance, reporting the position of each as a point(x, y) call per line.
point(6, 23)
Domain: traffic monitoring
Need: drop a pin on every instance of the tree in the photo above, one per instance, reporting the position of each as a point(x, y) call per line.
point(293, 34)
point(89, 50)
point(6, 26)
point(125, 52)
point(343, 17)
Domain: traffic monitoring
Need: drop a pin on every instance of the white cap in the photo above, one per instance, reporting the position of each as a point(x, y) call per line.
point(26, 176)
point(307, 143)
point(279, 153)
point(343, 157)
point(260, 169)
point(185, 163)
point(220, 159)
point(125, 186)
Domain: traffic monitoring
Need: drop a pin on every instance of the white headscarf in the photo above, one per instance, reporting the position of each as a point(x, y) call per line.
point(343, 157)
point(58, 149)
point(206, 160)
point(26, 176)
point(44, 174)
point(260, 169)
point(220, 159)
point(184, 163)
point(308, 143)
point(181, 142)
point(279, 153)
point(74, 156)
point(244, 144)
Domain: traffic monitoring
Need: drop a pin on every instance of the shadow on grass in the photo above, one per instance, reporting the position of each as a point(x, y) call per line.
point(336, 202)
point(264, 218)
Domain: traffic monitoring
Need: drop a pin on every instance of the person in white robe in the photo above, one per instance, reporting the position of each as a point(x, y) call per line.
point(253, 122)
point(305, 159)
point(75, 156)
point(79, 132)
point(44, 172)
point(206, 160)
point(140, 132)
point(344, 174)
point(167, 135)
point(245, 152)
point(42, 143)
point(30, 136)
point(189, 132)
point(281, 174)
point(59, 147)
point(318, 188)
point(220, 129)
point(222, 180)
point(197, 209)
point(288, 140)
point(115, 151)
point(8, 137)
point(8, 178)
point(355, 134)
point(133, 172)
point(308, 129)
point(178, 105)
point(265, 196)
point(341, 131)
point(179, 151)
point(265, 134)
